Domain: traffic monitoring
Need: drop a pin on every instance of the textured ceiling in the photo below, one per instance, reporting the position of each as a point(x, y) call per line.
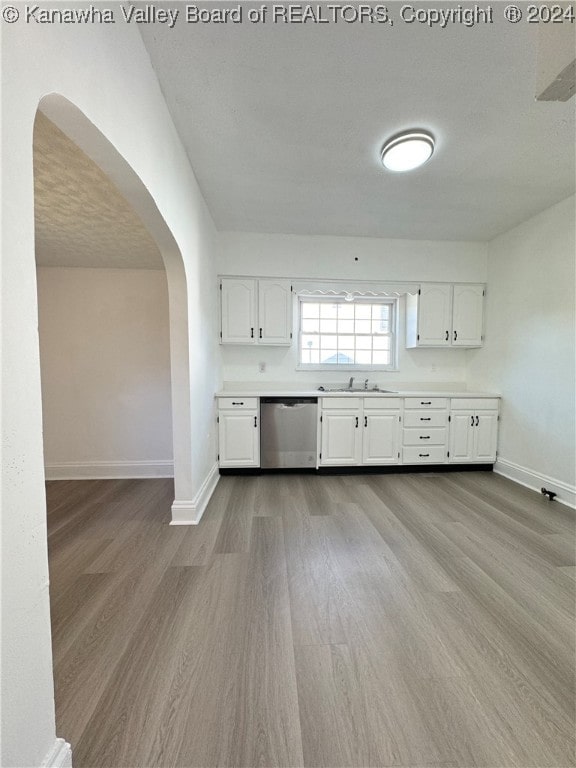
point(81, 218)
point(283, 124)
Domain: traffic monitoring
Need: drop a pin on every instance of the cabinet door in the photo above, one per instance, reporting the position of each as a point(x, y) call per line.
point(238, 304)
point(468, 315)
point(341, 437)
point(434, 315)
point(239, 439)
point(274, 312)
point(381, 437)
point(485, 436)
point(461, 436)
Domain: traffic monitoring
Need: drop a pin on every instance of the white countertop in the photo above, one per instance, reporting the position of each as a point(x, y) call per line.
point(363, 393)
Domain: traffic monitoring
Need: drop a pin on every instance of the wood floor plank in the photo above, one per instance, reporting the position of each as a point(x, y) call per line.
point(377, 620)
point(235, 531)
point(267, 726)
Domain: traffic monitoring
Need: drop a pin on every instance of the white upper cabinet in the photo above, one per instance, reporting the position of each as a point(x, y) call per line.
point(275, 312)
point(238, 303)
point(467, 315)
point(434, 315)
point(444, 315)
point(256, 311)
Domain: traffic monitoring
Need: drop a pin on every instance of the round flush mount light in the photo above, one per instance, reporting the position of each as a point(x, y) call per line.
point(407, 151)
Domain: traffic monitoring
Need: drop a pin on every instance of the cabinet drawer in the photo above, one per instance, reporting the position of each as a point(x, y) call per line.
point(425, 436)
point(237, 403)
point(382, 403)
point(474, 404)
point(425, 402)
point(434, 454)
point(350, 403)
point(425, 420)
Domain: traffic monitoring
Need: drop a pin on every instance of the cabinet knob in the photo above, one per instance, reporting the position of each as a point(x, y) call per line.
point(447, 335)
point(251, 333)
point(455, 335)
point(365, 421)
point(260, 332)
point(477, 420)
point(255, 421)
point(356, 422)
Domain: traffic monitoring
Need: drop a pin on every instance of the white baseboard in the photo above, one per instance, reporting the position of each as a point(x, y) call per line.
point(536, 481)
point(60, 756)
point(108, 470)
point(190, 512)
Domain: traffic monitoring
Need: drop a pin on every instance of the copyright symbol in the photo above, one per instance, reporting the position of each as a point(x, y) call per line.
point(513, 13)
point(10, 14)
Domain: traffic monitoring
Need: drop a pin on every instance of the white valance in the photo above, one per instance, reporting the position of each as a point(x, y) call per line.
point(352, 289)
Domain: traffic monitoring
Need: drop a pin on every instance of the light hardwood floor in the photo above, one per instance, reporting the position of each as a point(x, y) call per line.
point(368, 620)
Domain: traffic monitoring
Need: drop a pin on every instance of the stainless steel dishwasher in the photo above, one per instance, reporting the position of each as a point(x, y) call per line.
point(288, 430)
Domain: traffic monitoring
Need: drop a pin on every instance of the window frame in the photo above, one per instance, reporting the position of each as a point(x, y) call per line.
point(391, 301)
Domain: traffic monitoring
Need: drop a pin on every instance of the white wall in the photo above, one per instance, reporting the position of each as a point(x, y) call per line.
point(529, 350)
point(355, 258)
point(106, 72)
point(105, 363)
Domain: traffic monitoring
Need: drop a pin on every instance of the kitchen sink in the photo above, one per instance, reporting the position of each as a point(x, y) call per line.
point(356, 390)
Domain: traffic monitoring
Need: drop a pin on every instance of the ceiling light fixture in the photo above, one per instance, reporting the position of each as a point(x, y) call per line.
point(407, 151)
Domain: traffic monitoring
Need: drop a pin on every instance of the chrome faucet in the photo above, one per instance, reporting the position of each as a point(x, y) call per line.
point(351, 382)
point(366, 384)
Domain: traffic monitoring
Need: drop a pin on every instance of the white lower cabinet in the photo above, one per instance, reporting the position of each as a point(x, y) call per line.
point(425, 433)
point(377, 431)
point(381, 431)
point(239, 432)
point(341, 437)
point(356, 431)
point(473, 430)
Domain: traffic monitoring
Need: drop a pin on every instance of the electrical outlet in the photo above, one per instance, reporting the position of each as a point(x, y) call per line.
point(262, 367)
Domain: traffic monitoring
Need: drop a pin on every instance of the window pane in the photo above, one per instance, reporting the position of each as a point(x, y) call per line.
point(363, 357)
point(310, 310)
point(379, 326)
point(363, 342)
point(381, 342)
point(329, 342)
point(363, 326)
point(312, 342)
point(345, 326)
point(346, 356)
point(328, 310)
point(310, 325)
point(328, 326)
point(346, 311)
point(363, 311)
point(310, 356)
point(345, 342)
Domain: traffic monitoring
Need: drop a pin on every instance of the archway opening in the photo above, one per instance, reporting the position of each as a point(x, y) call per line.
point(112, 308)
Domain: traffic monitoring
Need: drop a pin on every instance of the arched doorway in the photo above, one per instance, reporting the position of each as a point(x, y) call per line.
point(85, 135)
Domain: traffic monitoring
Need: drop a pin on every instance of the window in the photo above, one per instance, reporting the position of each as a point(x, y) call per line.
point(347, 334)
